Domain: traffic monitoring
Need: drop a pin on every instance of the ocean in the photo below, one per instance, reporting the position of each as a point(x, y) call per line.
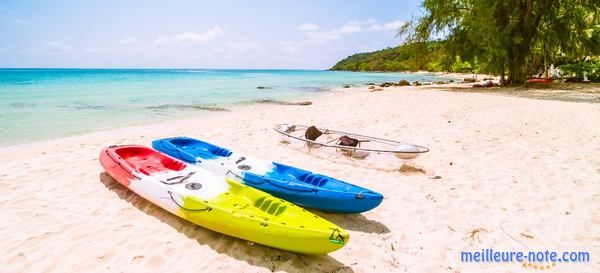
point(43, 104)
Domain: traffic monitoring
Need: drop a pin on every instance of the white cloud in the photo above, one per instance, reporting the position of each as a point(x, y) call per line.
point(55, 46)
point(191, 37)
point(314, 37)
point(127, 41)
point(308, 26)
point(19, 21)
point(394, 25)
point(351, 27)
point(323, 36)
point(243, 45)
point(319, 37)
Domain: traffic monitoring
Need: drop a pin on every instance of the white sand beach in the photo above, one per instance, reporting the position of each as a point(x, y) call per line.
point(515, 174)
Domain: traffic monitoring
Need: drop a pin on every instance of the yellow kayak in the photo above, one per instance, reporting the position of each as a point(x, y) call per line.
point(220, 204)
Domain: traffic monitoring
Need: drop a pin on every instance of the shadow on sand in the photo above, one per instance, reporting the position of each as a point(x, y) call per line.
point(574, 92)
point(354, 222)
point(254, 254)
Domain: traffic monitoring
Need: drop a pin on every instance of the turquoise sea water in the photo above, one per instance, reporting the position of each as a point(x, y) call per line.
point(41, 104)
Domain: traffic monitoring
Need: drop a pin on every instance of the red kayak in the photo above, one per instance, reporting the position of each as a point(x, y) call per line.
point(125, 163)
point(540, 80)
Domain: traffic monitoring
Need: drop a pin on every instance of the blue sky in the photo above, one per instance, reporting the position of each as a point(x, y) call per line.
point(195, 34)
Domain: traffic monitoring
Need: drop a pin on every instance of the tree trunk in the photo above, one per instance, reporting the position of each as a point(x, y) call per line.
point(545, 65)
point(503, 75)
point(518, 52)
point(516, 72)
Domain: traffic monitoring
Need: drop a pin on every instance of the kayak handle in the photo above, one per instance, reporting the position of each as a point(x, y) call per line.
point(235, 175)
point(182, 179)
point(127, 169)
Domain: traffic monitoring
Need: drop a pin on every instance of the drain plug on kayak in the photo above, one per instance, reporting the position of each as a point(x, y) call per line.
point(193, 186)
point(244, 167)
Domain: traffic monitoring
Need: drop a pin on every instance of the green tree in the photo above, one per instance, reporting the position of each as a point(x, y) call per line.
point(408, 57)
point(510, 37)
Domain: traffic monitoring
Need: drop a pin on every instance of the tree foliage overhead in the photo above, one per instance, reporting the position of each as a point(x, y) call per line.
point(510, 37)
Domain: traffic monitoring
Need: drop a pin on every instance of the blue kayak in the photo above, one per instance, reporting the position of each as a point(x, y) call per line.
point(295, 185)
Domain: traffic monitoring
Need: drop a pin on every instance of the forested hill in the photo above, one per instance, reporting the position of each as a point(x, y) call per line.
point(408, 57)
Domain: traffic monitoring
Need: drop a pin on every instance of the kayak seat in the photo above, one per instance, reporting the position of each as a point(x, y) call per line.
point(148, 161)
point(200, 148)
point(314, 179)
point(270, 206)
point(221, 152)
point(204, 152)
point(149, 167)
point(174, 165)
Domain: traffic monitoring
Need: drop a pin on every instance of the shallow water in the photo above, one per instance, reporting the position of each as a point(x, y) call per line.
point(41, 104)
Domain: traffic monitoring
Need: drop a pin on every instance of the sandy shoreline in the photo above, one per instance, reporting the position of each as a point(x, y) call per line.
point(512, 169)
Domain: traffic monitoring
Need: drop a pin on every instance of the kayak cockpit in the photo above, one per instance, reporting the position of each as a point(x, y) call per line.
point(199, 149)
point(288, 173)
point(146, 160)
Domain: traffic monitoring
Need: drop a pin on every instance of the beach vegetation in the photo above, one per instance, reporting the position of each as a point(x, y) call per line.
point(591, 69)
point(401, 58)
point(514, 39)
point(510, 38)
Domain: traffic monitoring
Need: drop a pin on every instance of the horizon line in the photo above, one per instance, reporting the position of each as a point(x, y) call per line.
point(163, 68)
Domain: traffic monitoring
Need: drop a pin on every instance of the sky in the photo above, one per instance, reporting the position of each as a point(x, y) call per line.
point(259, 34)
